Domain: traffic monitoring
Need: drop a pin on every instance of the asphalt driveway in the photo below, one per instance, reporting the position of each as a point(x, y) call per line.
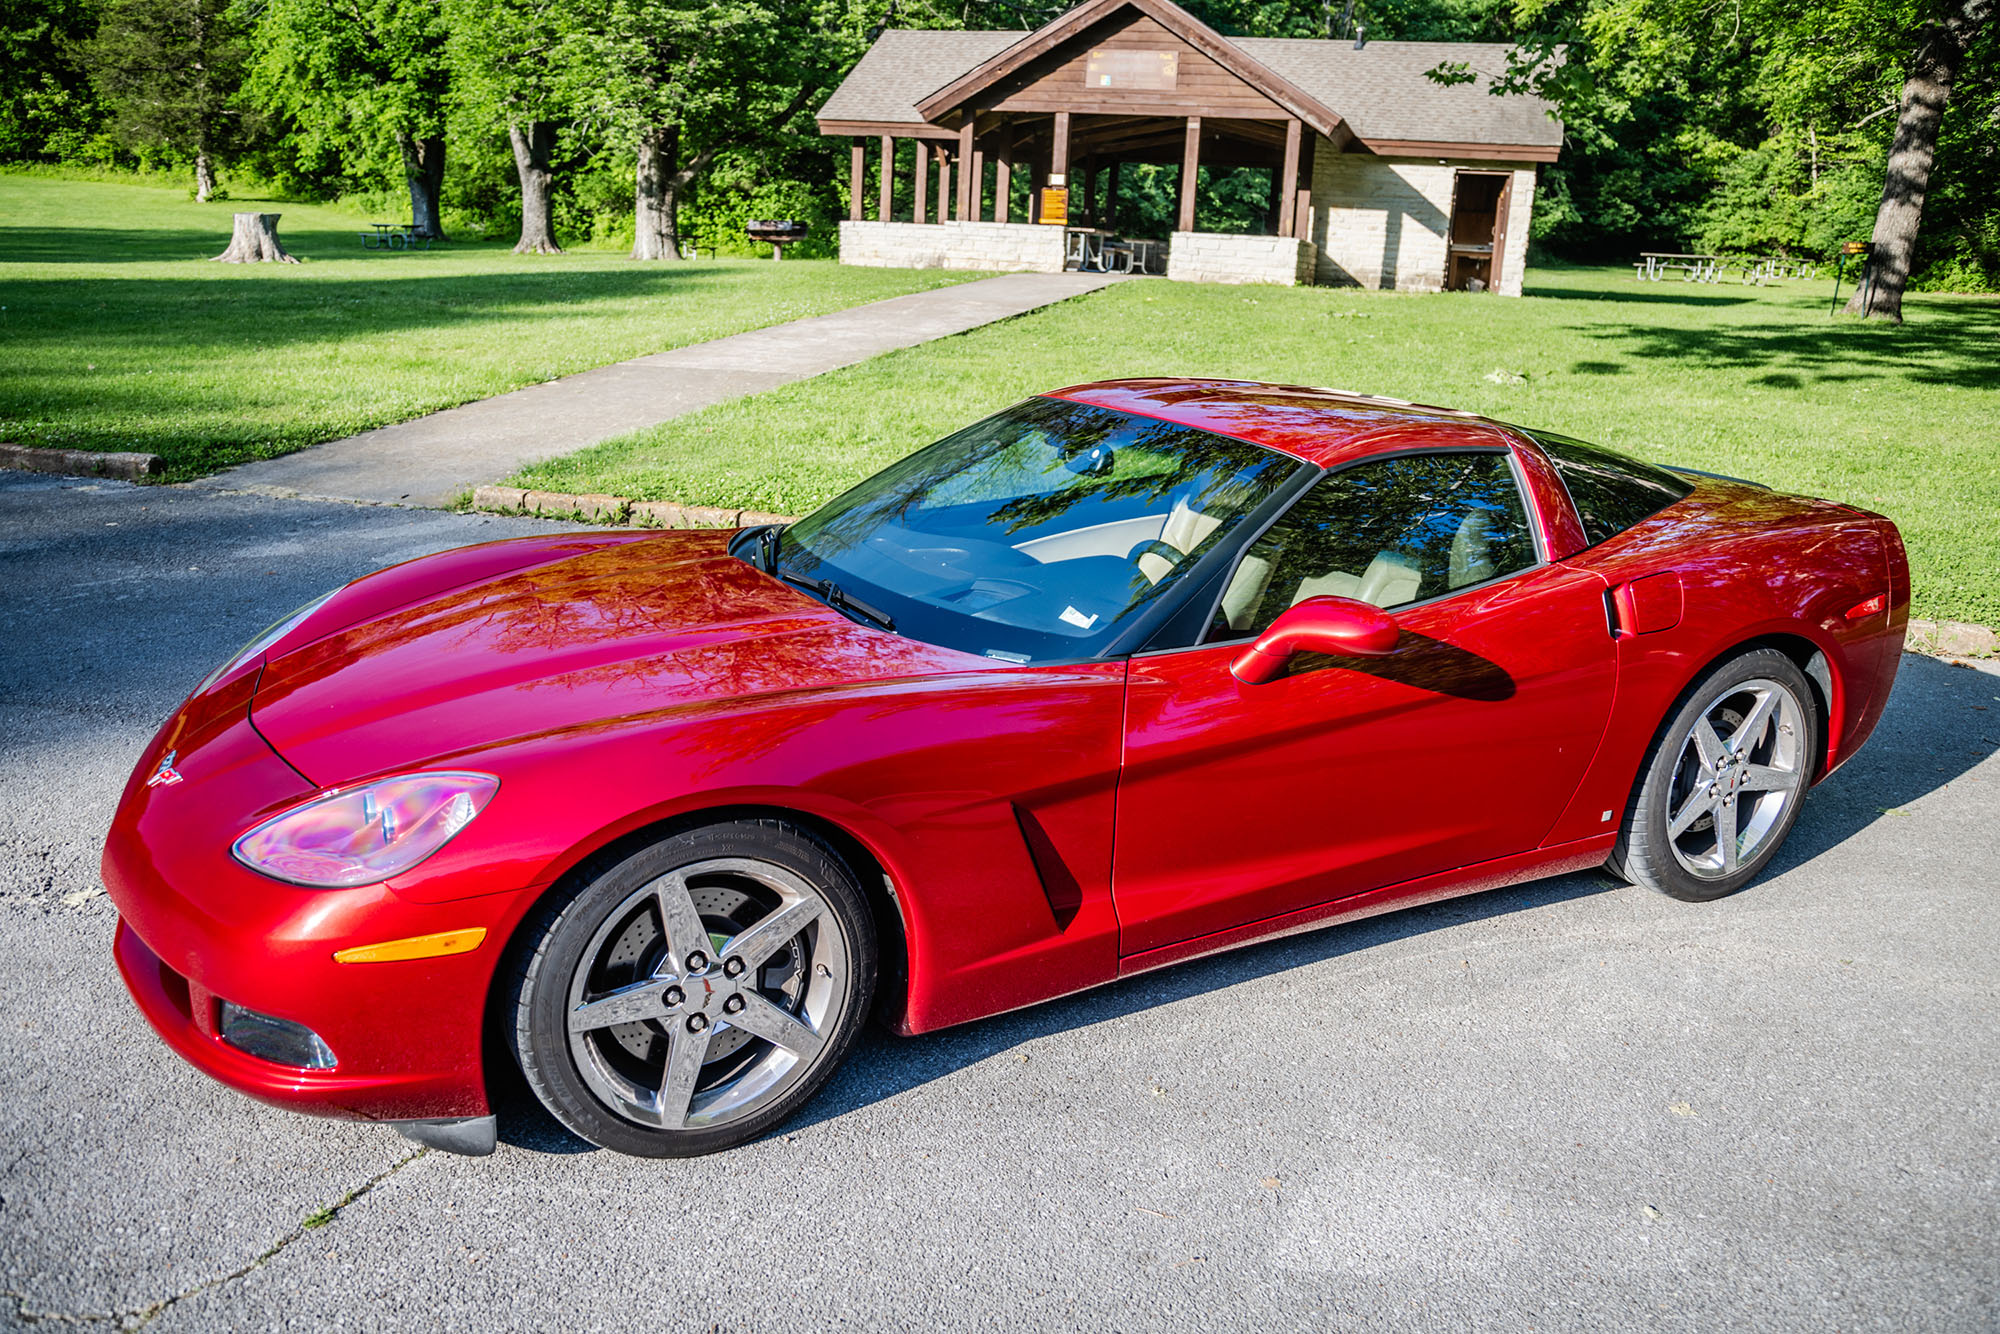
point(1569, 1105)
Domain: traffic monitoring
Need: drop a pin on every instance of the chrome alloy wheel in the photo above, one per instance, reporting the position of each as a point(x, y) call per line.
point(706, 994)
point(1741, 767)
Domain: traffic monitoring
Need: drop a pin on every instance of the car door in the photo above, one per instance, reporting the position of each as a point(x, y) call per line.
point(1241, 802)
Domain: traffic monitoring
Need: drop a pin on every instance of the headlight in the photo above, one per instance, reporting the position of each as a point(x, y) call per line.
point(365, 836)
point(265, 640)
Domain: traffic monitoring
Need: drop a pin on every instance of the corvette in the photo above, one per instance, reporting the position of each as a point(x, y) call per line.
point(1126, 674)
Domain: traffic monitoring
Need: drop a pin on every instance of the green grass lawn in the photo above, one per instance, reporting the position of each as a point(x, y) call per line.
point(1756, 383)
point(116, 333)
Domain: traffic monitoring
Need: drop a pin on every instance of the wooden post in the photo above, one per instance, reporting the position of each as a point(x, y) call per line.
point(1059, 151)
point(1190, 173)
point(1287, 185)
point(1003, 176)
point(944, 183)
point(1090, 192)
point(857, 176)
point(923, 182)
point(978, 210)
point(968, 183)
point(886, 206)
point(1302, 212)
point(1111, 199)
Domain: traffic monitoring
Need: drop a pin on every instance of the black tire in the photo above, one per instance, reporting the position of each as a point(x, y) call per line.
point(1648, 852)
point(614, 926)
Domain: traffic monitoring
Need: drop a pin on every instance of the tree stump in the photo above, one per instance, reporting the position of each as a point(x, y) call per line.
point(255, 241)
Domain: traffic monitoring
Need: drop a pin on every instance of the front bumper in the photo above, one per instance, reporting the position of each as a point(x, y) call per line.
point(197, 929)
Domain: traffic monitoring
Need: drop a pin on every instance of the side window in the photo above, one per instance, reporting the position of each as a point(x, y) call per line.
point(1398, 530)
point(1610, 491)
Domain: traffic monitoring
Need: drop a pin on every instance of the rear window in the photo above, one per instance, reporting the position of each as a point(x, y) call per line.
point(1611, 492)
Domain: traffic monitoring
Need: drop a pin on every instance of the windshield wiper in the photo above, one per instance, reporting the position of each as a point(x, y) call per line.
point(767, 547)
point(829, 590)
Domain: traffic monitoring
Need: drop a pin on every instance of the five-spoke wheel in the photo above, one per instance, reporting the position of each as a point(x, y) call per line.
point(1723, 781)
point(695, 993)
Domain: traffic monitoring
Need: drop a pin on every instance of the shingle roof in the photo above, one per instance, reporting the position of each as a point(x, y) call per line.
point(1379, 90)
point(904, 65)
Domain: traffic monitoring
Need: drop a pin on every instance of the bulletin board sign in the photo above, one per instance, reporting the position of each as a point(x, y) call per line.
point(1055, 205)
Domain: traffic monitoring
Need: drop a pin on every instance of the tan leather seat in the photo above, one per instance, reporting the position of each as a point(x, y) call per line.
point(1186, 528)
point(1472, 551)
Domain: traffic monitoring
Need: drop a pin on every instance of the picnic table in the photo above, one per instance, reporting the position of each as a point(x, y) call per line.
point(1095, 250)
point(1772, 268)
point(1652, 266)
point(393, 236)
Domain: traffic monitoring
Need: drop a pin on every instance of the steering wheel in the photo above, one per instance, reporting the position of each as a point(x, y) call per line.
point(1153, 546)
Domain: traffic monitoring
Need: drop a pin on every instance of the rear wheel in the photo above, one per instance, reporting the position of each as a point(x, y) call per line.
point(695, 994)
point(1723, 782)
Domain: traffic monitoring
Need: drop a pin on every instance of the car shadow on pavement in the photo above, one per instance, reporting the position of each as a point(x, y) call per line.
point(1942, 721)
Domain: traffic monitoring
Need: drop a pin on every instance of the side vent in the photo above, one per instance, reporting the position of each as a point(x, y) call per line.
point(1064, 894)
point(1646, 606)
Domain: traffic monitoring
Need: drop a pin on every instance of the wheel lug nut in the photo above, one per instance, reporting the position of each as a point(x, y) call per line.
point(732, 1005)
point(673, 996)
point(697, 1022)
point(733, 968)
point(697, 961)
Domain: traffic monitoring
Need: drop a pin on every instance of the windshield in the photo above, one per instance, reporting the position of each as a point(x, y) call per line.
point(1035, 534)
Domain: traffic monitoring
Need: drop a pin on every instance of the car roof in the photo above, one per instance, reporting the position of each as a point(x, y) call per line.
point(1327, 427)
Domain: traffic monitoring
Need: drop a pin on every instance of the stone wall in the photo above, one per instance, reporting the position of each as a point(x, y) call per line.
point(1520, 212)
point(1214, 257)
point(999, 246)
point(1382, 222)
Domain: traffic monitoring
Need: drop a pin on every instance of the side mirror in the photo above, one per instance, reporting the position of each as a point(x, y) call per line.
point(1340, 626)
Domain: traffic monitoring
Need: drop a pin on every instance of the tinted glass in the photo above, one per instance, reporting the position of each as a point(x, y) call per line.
point(1610, 491)
point(1038, 533)
point(1392, 532)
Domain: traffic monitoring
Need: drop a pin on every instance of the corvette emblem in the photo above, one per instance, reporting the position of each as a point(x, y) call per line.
point(166, 775)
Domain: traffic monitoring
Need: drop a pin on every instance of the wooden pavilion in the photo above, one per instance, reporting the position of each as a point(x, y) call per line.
point(1379, 176)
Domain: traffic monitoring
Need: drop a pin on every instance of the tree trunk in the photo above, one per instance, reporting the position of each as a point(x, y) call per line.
point(255, 241)
point(423, 167)
point(204, 177)
point(656, 234)
point(1911, 154)
point(534, 146)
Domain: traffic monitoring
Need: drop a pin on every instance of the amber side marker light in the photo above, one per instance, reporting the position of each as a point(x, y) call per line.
point(1862, 610)
point(436, 944)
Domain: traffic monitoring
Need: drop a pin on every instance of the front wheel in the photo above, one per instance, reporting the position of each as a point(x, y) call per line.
point(1723, 782)
point(695, 994)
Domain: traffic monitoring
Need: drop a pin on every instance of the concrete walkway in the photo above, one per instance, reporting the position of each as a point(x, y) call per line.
point(431, 460)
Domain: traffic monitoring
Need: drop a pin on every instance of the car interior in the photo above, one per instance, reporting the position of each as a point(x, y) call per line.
point(1330, 545)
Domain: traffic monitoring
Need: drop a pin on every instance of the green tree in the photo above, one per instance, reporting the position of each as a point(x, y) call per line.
point(364, 79)
point(46, 107)
point(1951, 29)
point(1762, 76)
point(518, 66)
point(683, 81)
point(169, 71)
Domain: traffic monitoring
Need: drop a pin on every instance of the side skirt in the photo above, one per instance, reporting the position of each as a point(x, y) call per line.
point(1563, 859)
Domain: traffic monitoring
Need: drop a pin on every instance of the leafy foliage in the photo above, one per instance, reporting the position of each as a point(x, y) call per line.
point(1756, 126)
point(351, 79)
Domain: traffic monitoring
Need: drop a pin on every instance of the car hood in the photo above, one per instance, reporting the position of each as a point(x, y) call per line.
point(663, 626)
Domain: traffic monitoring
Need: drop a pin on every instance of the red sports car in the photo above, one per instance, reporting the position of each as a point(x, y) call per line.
point(1123, 675)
